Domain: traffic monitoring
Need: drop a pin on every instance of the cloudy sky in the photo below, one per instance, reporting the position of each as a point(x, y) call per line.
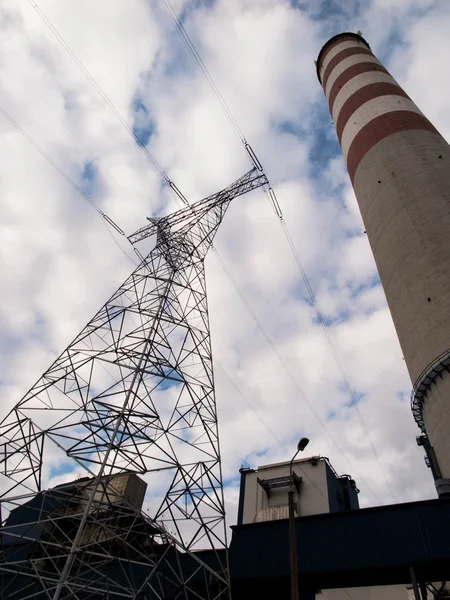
point(59, 262)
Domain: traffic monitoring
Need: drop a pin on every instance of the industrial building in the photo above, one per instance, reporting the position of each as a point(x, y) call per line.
point(317, 489)
point(365, 554)
point(120, 544)
point(381, 549)
point(342, 551)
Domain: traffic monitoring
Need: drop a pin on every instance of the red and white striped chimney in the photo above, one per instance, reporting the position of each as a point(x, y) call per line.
point(399, 167)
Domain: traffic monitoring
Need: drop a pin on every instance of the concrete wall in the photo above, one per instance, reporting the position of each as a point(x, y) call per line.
point(313, 497)
point(407, 219)
point(400, 169)
point(380, 592)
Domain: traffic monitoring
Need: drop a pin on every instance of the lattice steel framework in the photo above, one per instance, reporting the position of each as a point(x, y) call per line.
point(132, 394)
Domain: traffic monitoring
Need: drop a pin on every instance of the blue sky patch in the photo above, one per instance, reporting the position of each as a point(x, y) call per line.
point(325, 145)
point(340, 317)
point(367, 285)
point(89, 178)
point(171, 379)
point(143, 124)
point(358, 397)
point(62, 469)
point(403, 396)
point(334, 12)
point(291, 127)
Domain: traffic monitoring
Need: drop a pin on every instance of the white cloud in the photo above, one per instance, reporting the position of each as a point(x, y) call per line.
point(58, 262)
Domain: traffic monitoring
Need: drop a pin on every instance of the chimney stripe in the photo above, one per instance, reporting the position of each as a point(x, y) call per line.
point(347, 75)
point(377, 107)
point(361, 97)
point(340, 56)
point(327, 52)
point(336, 50)
point(350, 61)
point(360, 81)
point(379, 128)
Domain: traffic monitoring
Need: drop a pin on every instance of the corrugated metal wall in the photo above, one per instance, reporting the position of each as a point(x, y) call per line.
point(372, 538)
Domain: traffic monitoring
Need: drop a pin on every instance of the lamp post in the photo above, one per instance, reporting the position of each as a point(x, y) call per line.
point(292, 546)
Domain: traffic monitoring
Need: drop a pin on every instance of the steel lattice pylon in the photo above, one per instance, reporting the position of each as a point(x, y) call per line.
point(132, 394)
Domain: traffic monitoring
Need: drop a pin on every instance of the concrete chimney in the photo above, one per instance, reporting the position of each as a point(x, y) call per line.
point(399, 166)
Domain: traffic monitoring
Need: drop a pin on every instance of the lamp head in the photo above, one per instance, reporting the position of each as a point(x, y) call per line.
point(302, 444)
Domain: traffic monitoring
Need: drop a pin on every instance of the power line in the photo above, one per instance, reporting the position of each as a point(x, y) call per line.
point(203, 68)
point(111, 222)
point(88, 150)
point(326, 330)
point(44, 102)
point(193, 51)
point(244, 397)
point(61, 171)
point(106, 99)
point(254, 159)
point(198, 59)
point(288, 371)
point(51, 161)
point(130, 258)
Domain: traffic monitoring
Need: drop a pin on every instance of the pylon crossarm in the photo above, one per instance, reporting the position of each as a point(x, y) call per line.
point(250, 181)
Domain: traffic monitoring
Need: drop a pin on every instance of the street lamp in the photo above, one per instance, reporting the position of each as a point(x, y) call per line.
point(292, 547)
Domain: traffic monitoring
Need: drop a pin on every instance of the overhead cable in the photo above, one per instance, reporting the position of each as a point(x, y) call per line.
point(241, 393)
point(102, 94)
point(198, 59)
point(272, 196)
point(203, 68)
point(67, 177)
point(288, 371)
point(252, 155)
point(55, 165)
point(326, 331)
point(264, 422)
point(124, 252)
point(87, 149)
